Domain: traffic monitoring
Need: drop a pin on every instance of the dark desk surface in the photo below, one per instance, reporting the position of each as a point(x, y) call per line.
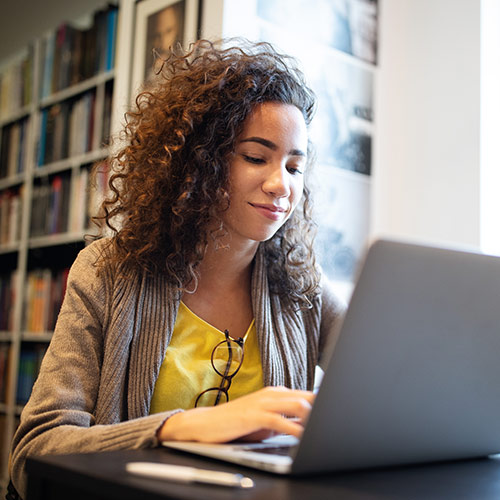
point(102, 476)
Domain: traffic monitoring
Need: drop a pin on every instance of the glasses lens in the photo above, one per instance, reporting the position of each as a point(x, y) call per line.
point(227, 357)
point(209, 398)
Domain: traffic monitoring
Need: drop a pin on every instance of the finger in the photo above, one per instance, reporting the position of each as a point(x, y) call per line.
point(259, 435)
point(292, 408)
point(284, 392)
point(296, 407)
point(282, 425)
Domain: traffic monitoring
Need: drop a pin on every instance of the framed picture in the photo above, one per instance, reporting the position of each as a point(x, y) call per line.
point(346, 25)
point(160, 25)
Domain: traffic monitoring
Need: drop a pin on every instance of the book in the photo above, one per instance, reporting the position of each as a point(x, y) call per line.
point(49, 132)
point(44, 294)
point(4, 369)
point(27, 76)
point(48, 45)
point(50, 205)
point(78, 205)
point(63, 216)
point(15, 83)
point(58, 47)
point(111, 37)
point(72, 54)
point(58, 290)
point(90, 143)
point(55, 204)
point(30, 359)
point(106, 118)
point(13, 148)
point(39, 209)
point(8, 296)
point(23, 144)
point(75, 71)
point(98, 189)
point(41, 142)
point(58, 132)
point(67, 129)
point(10, 216)
point(100, 21)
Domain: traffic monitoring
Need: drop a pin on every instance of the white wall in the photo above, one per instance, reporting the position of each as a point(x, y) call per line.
point(426, 173)
point(490, 112)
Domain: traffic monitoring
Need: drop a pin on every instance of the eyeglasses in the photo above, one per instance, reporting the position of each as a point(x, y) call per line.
point(227, 358)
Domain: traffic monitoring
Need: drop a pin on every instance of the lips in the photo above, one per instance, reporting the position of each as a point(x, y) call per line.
point(272, 212)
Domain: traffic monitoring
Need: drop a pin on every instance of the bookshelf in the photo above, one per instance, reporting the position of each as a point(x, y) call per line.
point(58, 100)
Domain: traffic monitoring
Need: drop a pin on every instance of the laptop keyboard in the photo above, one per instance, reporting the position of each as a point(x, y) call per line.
point(270, 450)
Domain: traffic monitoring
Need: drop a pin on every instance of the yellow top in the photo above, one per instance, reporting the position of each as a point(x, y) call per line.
point(187, 370)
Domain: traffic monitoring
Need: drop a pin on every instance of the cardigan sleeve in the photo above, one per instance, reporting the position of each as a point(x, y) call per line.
point(332, 312)
point(59, 417)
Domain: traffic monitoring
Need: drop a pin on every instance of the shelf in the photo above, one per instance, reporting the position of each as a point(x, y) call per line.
point(24, 112)
point(13, 180)
point(36, 336)
point(66, 122)
point(67, 163)
point(56, 239)
point(9, 248)
point(79, 88)
point(5, 336)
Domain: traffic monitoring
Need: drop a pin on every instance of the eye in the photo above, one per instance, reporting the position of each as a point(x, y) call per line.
point(253, 159)
point(294, 170)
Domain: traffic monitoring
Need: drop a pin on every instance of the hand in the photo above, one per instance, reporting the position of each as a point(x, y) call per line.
point(259, 414)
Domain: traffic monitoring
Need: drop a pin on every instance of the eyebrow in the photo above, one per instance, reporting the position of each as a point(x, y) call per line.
point(271, 145)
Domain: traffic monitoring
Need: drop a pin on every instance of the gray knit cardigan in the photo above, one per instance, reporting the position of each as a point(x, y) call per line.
point(96, 381)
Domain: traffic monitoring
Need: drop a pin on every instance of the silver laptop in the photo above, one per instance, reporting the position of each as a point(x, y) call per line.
point(414, 376)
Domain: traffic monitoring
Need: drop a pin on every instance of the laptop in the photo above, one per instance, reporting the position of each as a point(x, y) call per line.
point(414, 376)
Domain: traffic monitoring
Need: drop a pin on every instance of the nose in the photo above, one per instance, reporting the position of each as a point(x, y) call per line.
point(276, 182)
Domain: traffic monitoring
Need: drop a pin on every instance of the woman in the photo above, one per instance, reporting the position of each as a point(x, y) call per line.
point(208, 290)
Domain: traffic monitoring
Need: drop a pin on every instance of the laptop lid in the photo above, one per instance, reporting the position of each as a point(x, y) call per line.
point(415, 373)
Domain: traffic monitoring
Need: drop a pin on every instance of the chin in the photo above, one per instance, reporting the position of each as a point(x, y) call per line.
point(262, 237)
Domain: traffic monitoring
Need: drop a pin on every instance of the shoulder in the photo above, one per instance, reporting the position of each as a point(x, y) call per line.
point(90, 265)
point(330, 301)
point(325, 308)
point(95, 251)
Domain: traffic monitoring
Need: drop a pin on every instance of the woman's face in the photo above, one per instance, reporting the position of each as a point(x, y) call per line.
point(266, 177)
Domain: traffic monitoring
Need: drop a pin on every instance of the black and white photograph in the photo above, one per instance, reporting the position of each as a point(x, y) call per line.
point(342, 212)
point(343, 126)
point(341, 134)
point(159, 26)
point(346, 25)
point(165, 29)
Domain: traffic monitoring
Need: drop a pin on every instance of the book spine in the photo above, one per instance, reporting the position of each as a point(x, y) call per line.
point(8, 296)
point(23, 144)
point(4, 153)
point(29, 366)
point(111, 37)
point(10, 216)
point(41, 142)
point(4, 369)
point(48, 63)
point(15, 84)
point(44, 294)
point(78, 204)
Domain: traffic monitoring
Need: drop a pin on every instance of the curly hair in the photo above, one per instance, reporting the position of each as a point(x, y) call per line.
point(170, 180)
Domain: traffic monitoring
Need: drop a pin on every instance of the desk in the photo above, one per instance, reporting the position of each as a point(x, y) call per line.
point(102, 476)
